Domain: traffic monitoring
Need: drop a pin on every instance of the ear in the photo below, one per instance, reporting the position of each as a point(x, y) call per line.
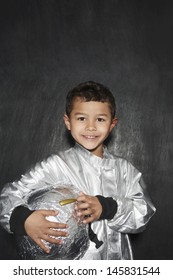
point(113, 123)
point(67, 121)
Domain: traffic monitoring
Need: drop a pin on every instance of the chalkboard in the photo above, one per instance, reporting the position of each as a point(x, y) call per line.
point(49, 46)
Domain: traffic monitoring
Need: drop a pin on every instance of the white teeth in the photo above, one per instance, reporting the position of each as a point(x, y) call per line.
point(90, 137)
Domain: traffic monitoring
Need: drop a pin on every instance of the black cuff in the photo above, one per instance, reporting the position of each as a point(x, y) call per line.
point(109, 207)
point(18, 218)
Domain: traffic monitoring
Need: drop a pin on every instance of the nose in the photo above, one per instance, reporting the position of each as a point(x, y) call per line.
point(90, 126)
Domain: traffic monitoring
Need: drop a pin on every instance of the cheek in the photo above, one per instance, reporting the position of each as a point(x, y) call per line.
point(105, 128)
point(76, 127)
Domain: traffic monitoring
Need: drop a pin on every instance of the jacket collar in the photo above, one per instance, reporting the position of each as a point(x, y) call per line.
point(107, 162)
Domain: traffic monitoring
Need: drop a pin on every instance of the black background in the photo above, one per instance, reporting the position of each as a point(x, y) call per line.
point(49, 46)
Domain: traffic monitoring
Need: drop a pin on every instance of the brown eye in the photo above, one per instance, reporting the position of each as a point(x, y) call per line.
point(81, 119)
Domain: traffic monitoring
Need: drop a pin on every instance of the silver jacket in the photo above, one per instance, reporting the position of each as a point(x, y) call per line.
point(109, 176)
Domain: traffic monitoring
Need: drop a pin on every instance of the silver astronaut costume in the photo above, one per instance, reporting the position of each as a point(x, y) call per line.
point(109, 176)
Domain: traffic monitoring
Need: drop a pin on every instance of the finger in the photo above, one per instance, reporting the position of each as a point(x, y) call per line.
point(56, 225)
point(82, 198)
point(88, 219)
point(42, 245)
point(57, 233)
point(82, 206)
point(49, 212)
point(81, 193)
point(84, 213)
point(53, 240)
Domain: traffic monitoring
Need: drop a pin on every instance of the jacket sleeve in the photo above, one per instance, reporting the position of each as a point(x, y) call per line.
point(134, 206)
point(44, 174)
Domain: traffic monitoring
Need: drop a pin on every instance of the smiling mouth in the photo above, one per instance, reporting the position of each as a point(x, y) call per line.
point(90, 137)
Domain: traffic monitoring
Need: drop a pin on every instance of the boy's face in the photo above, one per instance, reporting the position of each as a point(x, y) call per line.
point(90, 123)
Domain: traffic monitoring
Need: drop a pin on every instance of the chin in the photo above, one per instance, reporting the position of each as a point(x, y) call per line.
point(89, 147)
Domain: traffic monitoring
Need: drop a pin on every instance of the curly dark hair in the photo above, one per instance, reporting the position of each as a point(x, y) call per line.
point(90, 91)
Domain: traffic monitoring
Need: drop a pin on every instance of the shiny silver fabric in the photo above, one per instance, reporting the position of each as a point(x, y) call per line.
point(109, 176)
point(75, 244)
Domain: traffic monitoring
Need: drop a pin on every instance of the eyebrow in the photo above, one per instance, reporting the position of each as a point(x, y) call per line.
point(101, 114)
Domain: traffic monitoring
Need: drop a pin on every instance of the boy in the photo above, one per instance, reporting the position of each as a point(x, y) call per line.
point(113, 198)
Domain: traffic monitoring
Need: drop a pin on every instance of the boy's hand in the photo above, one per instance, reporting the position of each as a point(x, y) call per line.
point(88, 208)
point(39, 228)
